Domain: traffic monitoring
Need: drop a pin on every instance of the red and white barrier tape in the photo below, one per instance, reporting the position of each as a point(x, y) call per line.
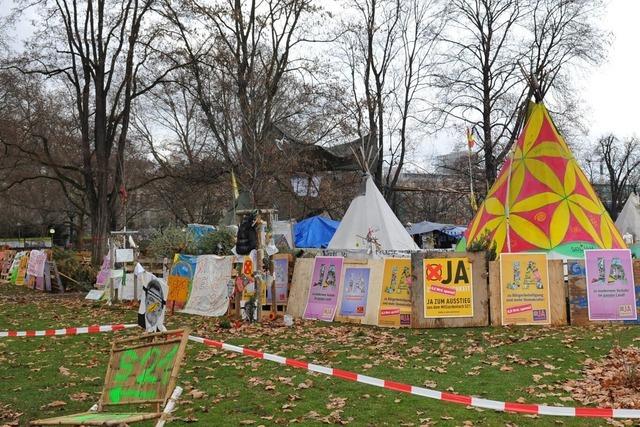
point(68, 331)
point(523, 408)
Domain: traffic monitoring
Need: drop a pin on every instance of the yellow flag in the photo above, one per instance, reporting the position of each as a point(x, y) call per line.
point(234, 186)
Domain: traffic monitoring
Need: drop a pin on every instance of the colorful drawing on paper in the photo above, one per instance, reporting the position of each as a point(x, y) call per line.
point(448, 291)
point(324, 289)
point(355, 289)
point(610, 285)
point(179, 281)
point(524, 289)
point(281, 276)
point(395, 299)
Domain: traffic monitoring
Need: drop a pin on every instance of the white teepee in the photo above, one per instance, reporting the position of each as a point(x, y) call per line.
point(370, 216)
point(628, 221)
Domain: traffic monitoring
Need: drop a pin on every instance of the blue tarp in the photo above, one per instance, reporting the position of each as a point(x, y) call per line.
point(314, 232)
point(200, 230)
point(423, 227)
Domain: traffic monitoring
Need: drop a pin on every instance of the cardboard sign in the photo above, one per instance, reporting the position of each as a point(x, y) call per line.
point(610, 284)
point(95, 294)
point(524, 289)
point(395, 298)
point(448, 291)
point(124, 255)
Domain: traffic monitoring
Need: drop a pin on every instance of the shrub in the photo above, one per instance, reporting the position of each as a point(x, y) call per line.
point(219, 242)
point(172, 240)
point(70, 264)
point(484, 244)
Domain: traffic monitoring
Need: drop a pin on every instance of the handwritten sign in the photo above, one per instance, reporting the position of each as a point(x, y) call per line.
point(140, 374)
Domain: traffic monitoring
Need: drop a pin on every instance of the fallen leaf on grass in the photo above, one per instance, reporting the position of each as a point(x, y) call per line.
point(64, 371)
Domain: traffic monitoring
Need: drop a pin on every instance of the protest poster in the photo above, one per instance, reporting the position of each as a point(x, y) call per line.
point(395, 298)
point(179, 281)
point(610, 284)
point(281, 275)
point(448, 291)
point(524, 289)
point(324, 288)
point(37, 260)
point(354, 291)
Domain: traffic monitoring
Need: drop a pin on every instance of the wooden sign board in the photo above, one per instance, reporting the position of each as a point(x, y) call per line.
point(480, 298)
point(557, 293)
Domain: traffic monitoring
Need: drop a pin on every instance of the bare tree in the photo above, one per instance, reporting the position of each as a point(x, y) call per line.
point(497, 54)
point(102, 54)
point(621, 160)
point(237, 67)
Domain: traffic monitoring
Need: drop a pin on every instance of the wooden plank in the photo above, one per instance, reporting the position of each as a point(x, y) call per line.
point(495, 305)
point(375, 291)
point(479, 285)
point(557, 293)
point(577, 289)
point(300, 283)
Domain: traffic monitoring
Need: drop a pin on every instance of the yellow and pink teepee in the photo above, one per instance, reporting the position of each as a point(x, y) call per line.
point(542, 200)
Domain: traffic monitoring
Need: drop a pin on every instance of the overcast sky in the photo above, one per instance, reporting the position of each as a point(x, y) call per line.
point(612, 91)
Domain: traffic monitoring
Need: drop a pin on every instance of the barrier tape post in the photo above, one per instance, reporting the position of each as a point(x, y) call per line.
point(94, 329)
point(522, 408)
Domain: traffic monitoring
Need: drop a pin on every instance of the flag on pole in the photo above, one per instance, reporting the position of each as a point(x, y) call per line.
point(470, 139)
point(234, 186)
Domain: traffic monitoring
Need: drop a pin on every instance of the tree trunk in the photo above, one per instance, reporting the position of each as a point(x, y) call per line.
point(99, 230)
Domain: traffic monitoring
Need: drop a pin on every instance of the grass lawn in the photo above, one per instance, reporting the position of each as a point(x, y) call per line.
point(50, 376)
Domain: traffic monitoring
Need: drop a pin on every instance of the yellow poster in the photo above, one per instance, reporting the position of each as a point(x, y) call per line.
point(22, 269)
point(395, 300)
point(524, 289)
point(448, 291)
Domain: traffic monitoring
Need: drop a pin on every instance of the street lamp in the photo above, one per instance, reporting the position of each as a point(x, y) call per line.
point(52, 232)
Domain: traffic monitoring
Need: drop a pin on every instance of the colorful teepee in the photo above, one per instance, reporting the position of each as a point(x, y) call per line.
point(542, 201)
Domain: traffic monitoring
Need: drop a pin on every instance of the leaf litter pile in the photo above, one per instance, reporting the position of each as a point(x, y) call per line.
point(613, 381)
point(45, 377)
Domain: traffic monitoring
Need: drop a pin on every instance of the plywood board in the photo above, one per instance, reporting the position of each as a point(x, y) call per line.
point(300, 283)
point(578, 306)
point(578, 302)
point(495, 309)
point(557, 293)
point(375, 291)
point(479, 285)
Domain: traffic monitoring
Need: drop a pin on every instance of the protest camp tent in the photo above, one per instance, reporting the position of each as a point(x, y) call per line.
point(629, 219)
point(314, 232)
point(369, 211)
point(542, 201)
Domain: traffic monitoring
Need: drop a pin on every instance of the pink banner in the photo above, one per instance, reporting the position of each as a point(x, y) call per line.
point(324, 289)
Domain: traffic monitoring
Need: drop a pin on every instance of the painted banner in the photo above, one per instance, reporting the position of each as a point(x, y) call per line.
point(354, 291)
point(209, 293)
point(104, 274)
point(37, 260)
point(22, 269)
point(610, 285)
point(281, 273)
point(179, 282)
point(152, 303)
point(324, 289)
point(395, 299)
point(448, 291)
point(524, 289)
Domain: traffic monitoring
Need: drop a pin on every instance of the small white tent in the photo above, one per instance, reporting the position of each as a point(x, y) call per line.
point(628, 221)
point(369, 215)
